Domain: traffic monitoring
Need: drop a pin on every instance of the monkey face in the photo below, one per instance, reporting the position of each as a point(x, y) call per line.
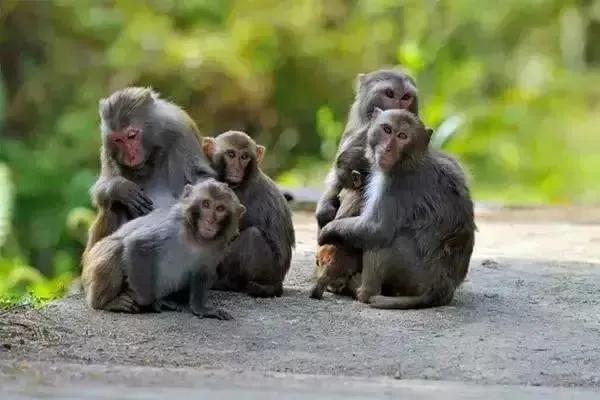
point(387, 90)
point(234, 154)
point(394, 136)
point(124, 116)
point(210, 208)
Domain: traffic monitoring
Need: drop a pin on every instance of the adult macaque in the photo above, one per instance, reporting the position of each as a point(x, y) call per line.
point(383, 89)
point(154, 255)
point(417, 227)
point(257, 261)
point(150, 151)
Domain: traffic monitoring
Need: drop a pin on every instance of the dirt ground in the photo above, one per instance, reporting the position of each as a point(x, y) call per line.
point(529, 314)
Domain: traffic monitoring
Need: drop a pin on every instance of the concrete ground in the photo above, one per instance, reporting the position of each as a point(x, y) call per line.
point(526, 325)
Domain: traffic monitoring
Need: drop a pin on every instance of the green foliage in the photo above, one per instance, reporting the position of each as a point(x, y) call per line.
point(511, 88)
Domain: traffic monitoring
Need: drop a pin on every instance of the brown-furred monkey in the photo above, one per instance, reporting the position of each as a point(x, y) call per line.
point(417, 228)
point(338, 265)
point(154, 255)
point(257, 261)
point(150, 151)
point(385, 89)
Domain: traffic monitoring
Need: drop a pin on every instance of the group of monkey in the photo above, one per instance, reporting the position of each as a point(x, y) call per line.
point(179, 215)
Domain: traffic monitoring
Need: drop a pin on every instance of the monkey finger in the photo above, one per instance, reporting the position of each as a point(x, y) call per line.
point(135, 210)
point(145, 208)
point(145, 199)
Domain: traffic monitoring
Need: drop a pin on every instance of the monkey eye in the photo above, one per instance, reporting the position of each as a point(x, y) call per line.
point(245, 156)
point(406, 96)
point(220, 208)
point(205, 204)
point(387, 129)
point(230, 153)
point(389, 93)
point(403, 136)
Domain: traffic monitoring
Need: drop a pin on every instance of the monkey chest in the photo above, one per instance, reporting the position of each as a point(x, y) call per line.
point(175, 269)
point(161, 195)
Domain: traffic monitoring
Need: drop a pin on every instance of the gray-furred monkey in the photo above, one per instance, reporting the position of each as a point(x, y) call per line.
point(256, 263)
point(385, 89)
point(417, 227)
point(150, 150)
point(157, 254)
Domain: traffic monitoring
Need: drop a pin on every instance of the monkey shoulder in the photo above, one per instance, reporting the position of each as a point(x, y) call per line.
point(267, 209)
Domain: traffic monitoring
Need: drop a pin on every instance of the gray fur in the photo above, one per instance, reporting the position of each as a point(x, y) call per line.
point(258, 261)
point(173, 159)
point(417, 227)
point(368, 97)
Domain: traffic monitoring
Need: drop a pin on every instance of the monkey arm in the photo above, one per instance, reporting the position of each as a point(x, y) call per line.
point(356, 232)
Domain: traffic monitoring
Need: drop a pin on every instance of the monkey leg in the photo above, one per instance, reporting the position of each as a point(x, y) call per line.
point(199, 305)
point(415, 283)
point(250, 265)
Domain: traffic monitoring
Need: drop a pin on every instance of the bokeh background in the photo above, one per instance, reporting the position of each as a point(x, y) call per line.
point(512, 88)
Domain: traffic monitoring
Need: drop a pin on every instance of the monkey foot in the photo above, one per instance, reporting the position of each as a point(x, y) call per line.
point(215, 313)
point(316, 293)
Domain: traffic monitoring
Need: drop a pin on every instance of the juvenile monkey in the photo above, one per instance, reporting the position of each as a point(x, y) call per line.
point(417, 229)
point(258, 260)
point(385, 89)
point(150, 150)
point(157, 254)
point(337, 265)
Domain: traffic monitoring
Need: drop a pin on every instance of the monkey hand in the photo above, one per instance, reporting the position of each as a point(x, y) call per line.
point(329, 234)
point(325, 213)
point(131, 196)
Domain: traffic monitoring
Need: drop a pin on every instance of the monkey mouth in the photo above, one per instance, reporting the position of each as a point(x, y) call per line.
point(207, 231)
point(385, 161)
point(235, 178)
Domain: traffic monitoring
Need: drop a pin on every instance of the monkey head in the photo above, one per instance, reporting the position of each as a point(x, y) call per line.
point(126, 123)
point(386, 89)
point(331, 261)
point(235, 156)
point(352, 166)
point(396, 137)
point(211, 210)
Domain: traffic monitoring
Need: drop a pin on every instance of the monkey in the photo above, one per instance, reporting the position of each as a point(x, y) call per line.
point(384, 89)
point(157, 254)
point(150, 150)
point(336, 265)
point(417, 228)
point(257, 262)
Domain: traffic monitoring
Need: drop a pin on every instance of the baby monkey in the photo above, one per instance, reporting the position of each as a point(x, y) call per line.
point(154, 255)
point(338, 267)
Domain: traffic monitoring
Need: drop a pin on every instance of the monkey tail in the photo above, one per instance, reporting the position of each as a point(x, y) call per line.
point(434, 297)
point(102, 275)
point(256, 289)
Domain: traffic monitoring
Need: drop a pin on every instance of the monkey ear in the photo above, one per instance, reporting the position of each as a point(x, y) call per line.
point(242, 210)
point(209, 147)
point(356, 179)
point(260, 153)
point(376, 112)
point(429, 131)
point(187, 190)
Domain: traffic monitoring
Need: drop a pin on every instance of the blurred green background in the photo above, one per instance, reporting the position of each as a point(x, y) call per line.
point(512, 88)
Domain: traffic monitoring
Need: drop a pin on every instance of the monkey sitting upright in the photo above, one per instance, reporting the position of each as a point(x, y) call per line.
point(338, 265)
point(157, 254)
point(257, 261)
point(417, 229)
point(150, 150)
point(386, 89)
